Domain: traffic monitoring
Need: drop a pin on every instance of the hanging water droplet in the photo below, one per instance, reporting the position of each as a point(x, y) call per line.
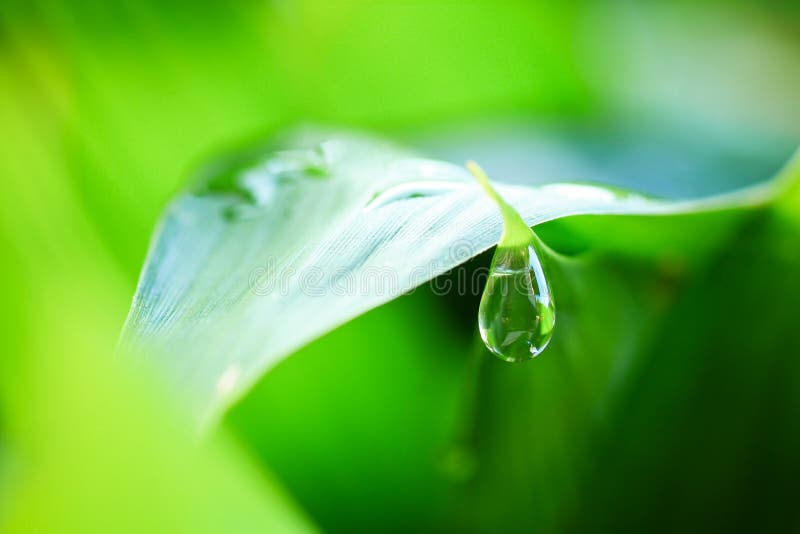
point(517, 313)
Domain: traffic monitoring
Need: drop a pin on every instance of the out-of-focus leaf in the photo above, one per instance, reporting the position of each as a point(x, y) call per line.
point(92, 449)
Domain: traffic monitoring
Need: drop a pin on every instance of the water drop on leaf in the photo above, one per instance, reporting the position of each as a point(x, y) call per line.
point(517, 313)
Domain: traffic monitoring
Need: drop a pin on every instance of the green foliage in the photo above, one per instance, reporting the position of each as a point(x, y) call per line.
point(667, 397)
point(241, 258)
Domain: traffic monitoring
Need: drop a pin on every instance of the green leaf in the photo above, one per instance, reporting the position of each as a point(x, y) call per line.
point(277, 247)
point(93, 448)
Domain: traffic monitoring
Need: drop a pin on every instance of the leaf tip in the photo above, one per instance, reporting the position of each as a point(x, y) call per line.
point(482, 179)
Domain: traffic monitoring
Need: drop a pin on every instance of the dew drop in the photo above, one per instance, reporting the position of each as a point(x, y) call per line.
point(418, 178)
point(517, 314)
point(416, 189)
point(253, 184)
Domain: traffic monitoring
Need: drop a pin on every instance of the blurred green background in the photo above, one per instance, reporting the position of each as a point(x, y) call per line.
point(393, 422)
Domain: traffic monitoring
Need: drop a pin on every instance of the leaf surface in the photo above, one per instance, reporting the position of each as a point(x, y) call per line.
point(277, 247)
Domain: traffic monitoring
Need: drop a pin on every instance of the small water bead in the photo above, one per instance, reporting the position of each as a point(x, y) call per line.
point(256, 185)
point(407, 190)
point(418, 178)
point(517, 315)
